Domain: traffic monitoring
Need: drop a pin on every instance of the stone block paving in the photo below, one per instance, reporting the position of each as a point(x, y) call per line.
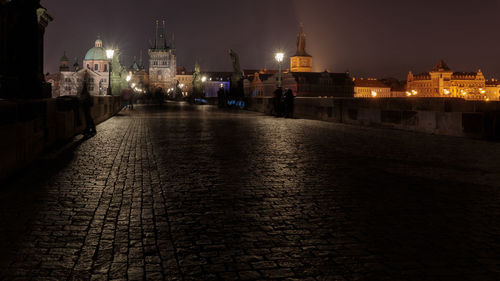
point(193, 193)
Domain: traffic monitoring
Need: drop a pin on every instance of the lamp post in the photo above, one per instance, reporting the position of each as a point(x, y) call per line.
point(279, 58)
point(109, 54)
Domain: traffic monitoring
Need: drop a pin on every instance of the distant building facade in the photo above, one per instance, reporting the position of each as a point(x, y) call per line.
point(162, 61)
point(301, 61)
point(69, 80)
point(213, 81)
point(371, 88)
point(185, 79)
point(442, 82)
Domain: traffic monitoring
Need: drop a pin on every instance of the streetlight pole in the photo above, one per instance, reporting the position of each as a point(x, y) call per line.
point(279, 57)
point(109, 54)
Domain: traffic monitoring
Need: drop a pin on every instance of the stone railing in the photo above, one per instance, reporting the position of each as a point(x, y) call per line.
point(440, 116)
point(29, 127)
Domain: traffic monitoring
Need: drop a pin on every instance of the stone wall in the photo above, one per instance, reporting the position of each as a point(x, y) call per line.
point(29, 127)
point(440, 116)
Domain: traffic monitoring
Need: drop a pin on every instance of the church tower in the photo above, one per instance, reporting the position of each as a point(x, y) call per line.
point(301, 61)
point(162, 61)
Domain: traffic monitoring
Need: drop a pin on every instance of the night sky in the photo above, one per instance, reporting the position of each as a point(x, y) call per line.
point(369, 38)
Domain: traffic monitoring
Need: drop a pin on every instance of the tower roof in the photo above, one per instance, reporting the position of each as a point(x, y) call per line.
point(441, 66)
point(64, 58)
point(160, 36)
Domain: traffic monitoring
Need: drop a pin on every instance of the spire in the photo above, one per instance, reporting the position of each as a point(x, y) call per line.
point(441, 66)
point(156, 35)
point(141, 66)
point(64, 58)
point(75, 65)
point(301, 42)
point(160, 40)
point(173, 41)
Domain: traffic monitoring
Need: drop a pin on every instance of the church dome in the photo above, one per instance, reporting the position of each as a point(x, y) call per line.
point(96, 53)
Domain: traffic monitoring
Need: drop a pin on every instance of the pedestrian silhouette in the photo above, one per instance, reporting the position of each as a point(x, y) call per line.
point(289, 103)
point(87, 103)
point(221, 96)
point(278, 95)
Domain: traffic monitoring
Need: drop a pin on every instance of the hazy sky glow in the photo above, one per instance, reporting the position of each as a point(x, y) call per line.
point(368, 38)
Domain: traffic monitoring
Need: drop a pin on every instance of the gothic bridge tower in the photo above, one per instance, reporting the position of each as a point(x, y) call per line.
point(162, 61)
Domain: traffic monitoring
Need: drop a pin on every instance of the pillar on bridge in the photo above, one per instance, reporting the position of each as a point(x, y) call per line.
point(22, 29)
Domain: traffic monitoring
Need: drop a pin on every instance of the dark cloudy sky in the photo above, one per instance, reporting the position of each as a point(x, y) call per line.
point(369, 38)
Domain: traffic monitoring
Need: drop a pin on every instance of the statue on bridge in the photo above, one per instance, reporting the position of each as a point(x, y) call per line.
point(236, 92)
point(198, 92)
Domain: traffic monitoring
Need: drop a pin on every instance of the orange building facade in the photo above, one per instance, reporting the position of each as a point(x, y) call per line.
point(441, 81)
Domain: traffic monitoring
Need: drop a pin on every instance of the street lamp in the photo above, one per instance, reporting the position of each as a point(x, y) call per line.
point(110, 53)
point(279, 58)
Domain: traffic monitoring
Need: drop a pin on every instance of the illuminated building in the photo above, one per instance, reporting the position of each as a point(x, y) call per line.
point(185, 79)
point(442, 82)
point(162, 61)
point(301, 61)
point(139, 76)
point(371, 88)
point(68, 82)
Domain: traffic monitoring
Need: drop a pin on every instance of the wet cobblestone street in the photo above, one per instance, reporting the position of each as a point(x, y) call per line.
point(193, 193)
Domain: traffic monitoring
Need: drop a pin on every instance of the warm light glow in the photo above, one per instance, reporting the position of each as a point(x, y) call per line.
point(221, 85)
point(110, 53)
point(181, 86)
point(279, 57)
point(446, 92)
point(128, 78)
point(414, 92)
point(374, 94)
point(408, 93)
point(203, 79)
point(133, 84)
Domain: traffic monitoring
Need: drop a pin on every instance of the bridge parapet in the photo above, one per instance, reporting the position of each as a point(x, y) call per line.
point(440, 116)
point(28, 127)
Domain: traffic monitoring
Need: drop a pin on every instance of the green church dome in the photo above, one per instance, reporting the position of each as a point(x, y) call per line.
point(97, 52)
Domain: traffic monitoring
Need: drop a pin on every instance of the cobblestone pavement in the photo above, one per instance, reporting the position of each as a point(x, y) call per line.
point(192, 193)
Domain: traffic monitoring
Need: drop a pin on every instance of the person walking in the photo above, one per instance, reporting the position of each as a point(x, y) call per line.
point(289, 103)
point(221, 96)
point(87, 103)
point(278, 95)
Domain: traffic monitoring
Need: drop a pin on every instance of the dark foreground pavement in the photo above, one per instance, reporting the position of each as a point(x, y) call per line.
point(190, 193)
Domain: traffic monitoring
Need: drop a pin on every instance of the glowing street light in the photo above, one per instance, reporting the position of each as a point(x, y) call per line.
point(204, 79)
point(128, 78)
point(181, 86)
point(110, 53)
point(279, 58)
point(374, 94)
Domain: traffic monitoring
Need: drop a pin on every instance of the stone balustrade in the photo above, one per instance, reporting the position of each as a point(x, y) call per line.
point(29, 127)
